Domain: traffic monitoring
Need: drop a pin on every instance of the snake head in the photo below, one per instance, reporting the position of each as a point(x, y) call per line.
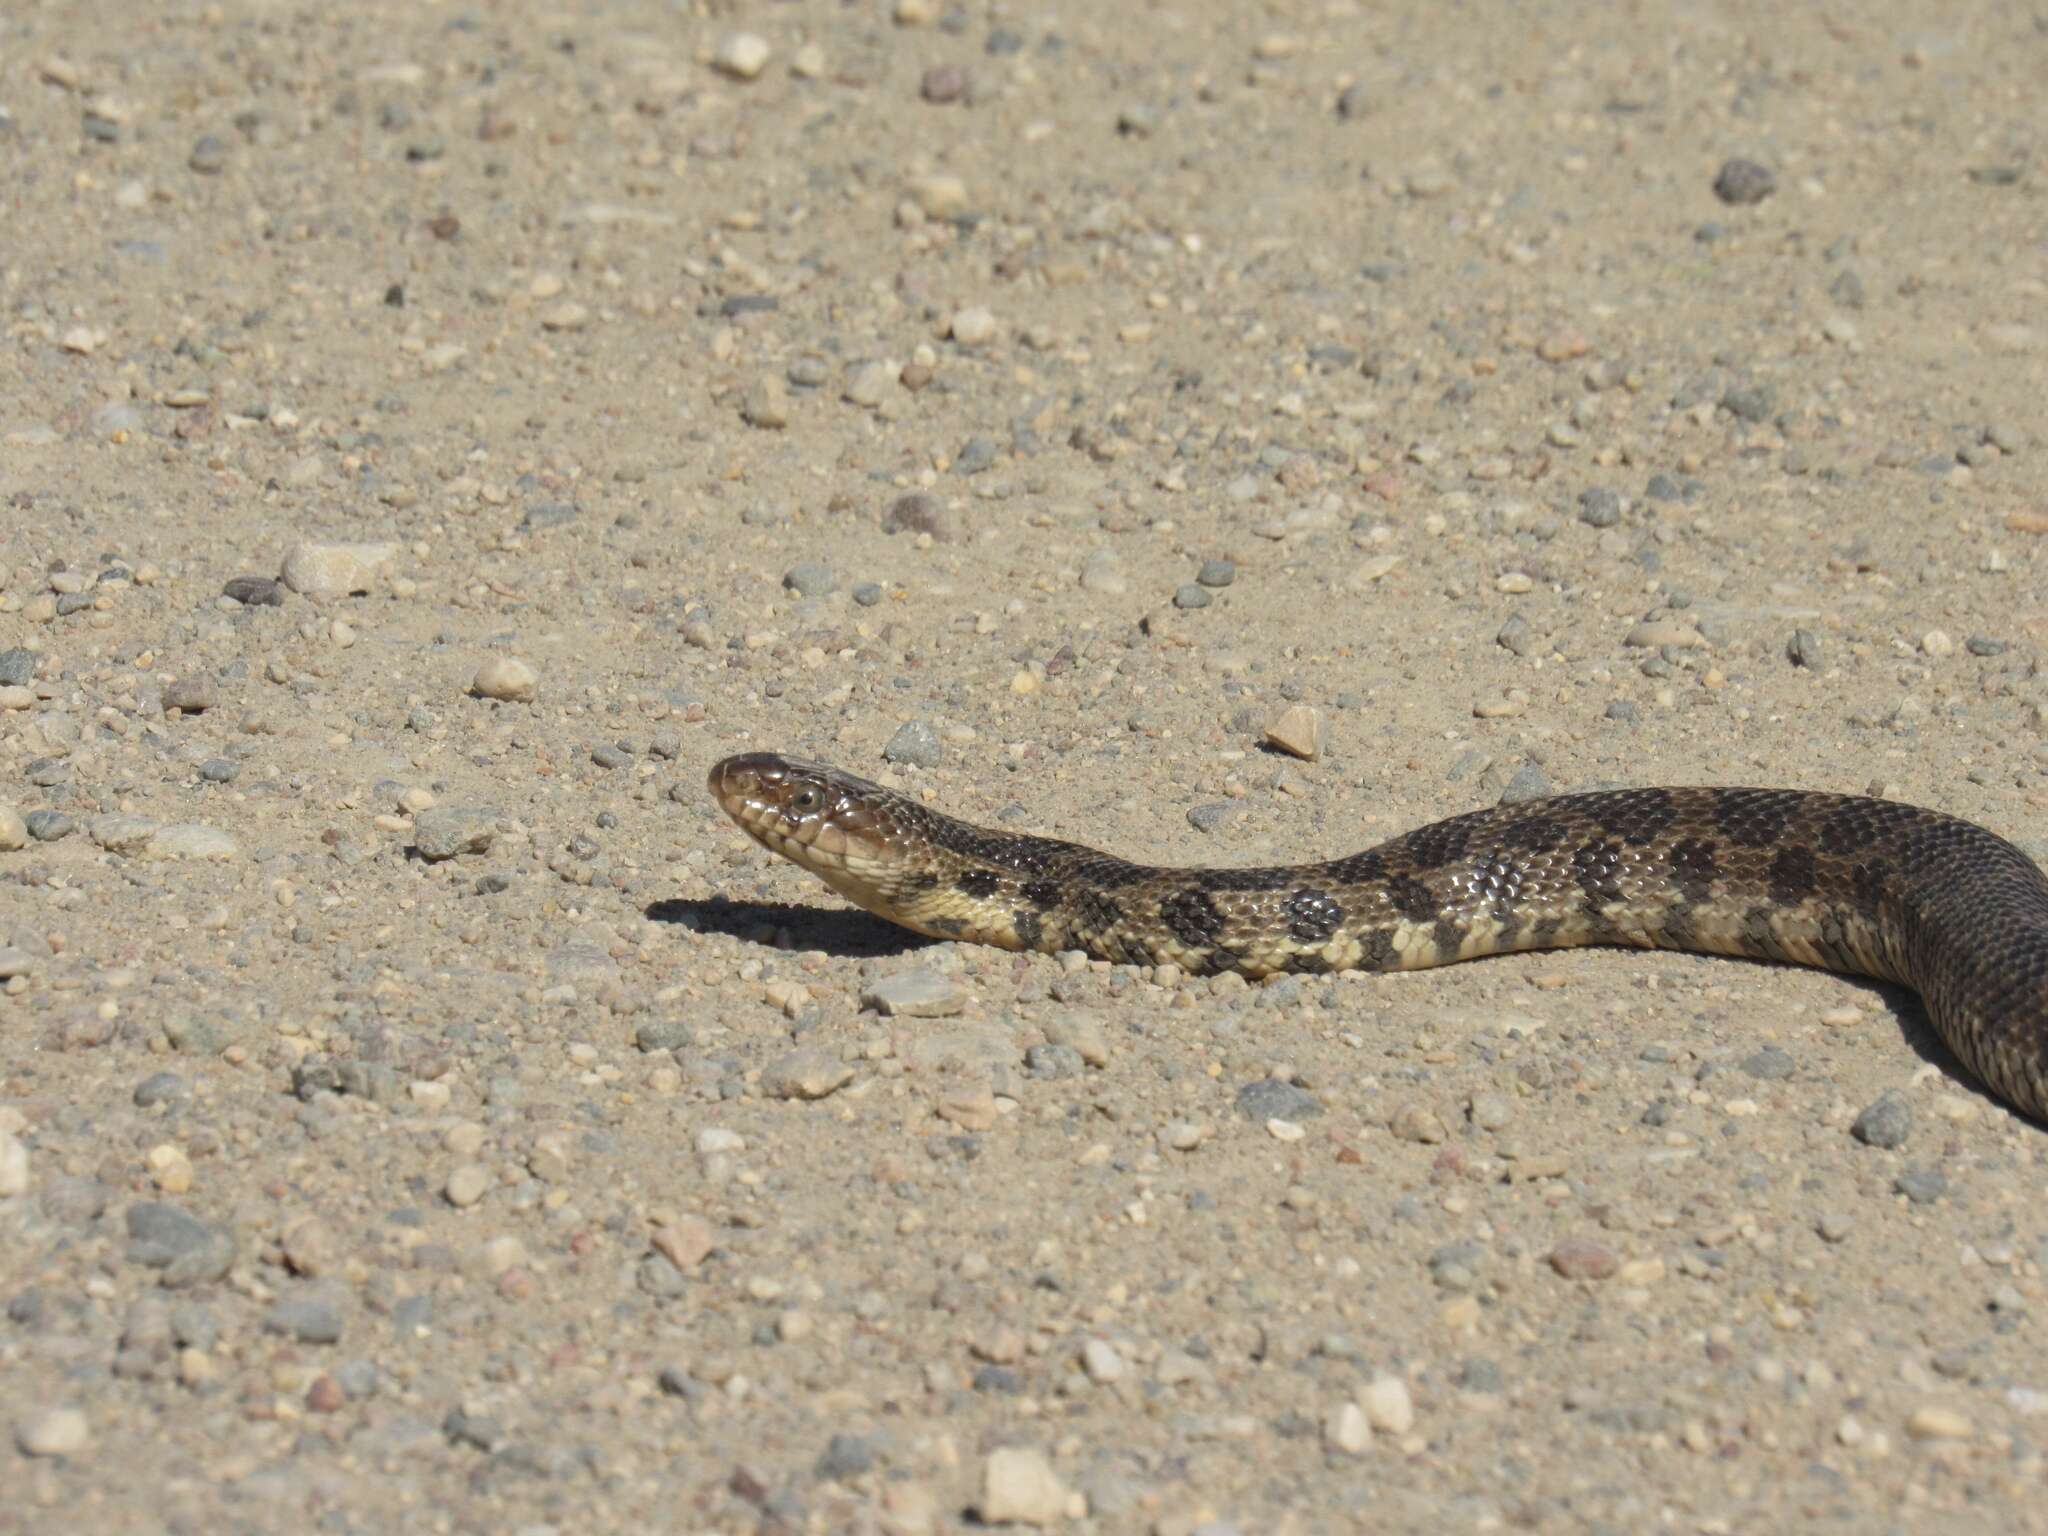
point(829, 822)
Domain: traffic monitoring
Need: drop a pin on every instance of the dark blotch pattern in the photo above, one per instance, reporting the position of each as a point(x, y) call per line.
point(1534, 834)
point(1095, 913)
point(1255, 879)
point(1412, 899)
point(1313, 915)
point(1597, 868)
point(1042, 894)
point(978, 883)
point(1793, 874)
point(1693, 866)
point(1636, 816)
point(1191, 917)
point(1433, 847)
point(1755, 818)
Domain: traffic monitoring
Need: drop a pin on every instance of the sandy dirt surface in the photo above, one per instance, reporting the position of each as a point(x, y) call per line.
point(424, 1112)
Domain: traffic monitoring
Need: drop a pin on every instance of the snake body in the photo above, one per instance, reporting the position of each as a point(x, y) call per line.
point(1843, 882)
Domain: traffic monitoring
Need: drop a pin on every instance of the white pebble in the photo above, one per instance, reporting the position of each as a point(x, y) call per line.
point(974, 327)
point(1389, 1406)
point(467, 1185)
point(334, 570)
point(1345, 1429)
point(742, 55)
point(1019, 1486)
point(1101, 1361)
point(53, 1432)
point(13, 1166)
point(508, 678)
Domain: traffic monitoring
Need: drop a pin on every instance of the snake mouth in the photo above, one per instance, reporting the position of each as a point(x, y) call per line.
point(816, 817)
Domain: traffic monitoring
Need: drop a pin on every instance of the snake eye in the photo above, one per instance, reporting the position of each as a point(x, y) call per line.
point(804, 801)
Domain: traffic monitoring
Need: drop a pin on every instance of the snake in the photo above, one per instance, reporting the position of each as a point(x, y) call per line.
point(1847, 883)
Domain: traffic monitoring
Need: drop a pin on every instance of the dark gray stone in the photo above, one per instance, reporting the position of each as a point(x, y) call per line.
point(1271, 1099)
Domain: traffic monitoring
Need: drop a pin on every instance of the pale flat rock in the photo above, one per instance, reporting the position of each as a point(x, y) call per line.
point(443, 831)
point(53, 1432)
point(13, 1166)
point(1019, 1487)
point(122, 834)
point(334, 570)
point(983, 1048)
point(13, 830)
point(808, 1072)
point(191, 840)
point(915, 995)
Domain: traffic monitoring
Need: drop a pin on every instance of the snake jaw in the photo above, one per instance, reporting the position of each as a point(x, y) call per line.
point(818, 818)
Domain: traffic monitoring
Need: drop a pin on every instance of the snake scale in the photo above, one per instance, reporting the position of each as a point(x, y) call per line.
point(1846, 883)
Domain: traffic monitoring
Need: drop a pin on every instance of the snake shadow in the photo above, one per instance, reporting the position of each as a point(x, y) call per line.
point(1916, 1026)
point(845, 932)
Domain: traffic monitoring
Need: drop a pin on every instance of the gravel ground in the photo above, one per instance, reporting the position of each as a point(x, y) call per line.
point(430, 436)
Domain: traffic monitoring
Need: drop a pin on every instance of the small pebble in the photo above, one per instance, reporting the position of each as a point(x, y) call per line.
point(915, 744)
point(1018, 1485)
point(467, 1184)
point(444, 831)
point(810, 578)
point(919, 994)
point(53, 1432)
point(192, 694)
point(14, 830)
point(507, 678)
point(1584, 1258)
point(1740, 183)
point(1298, 731)
point(1389, 1406)
point(1886, 1123)
point(973, 327)
point(808, 1072)
point(741, 55)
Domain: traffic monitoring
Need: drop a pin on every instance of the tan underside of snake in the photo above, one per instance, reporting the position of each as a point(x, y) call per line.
point(1870, 887)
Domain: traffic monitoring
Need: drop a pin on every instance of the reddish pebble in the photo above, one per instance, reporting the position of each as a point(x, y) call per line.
point(1581, 1258)
point(944, 82)
point(325, 1395)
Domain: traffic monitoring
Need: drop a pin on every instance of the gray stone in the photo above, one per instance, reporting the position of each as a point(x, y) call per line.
point(160, 1088)
point(976, 455)
point(443, 831)
point(309, 1319)
point(1740, 183)
point(1191, 596)
point(810, 578)
point(184, 1248)
point(220, 770)
point(1271, 1099)
point(845, 1456)
point(914, 743)
point(1885, 1124)
point(1216, 573)
point(17, 668)
point(255, 591)
point(192, 694)
point(1921, 1185)
point(1530, 782)
point(1803, 649)
point(1599, 508)
point(1771, 1064)
point(664, 1035)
